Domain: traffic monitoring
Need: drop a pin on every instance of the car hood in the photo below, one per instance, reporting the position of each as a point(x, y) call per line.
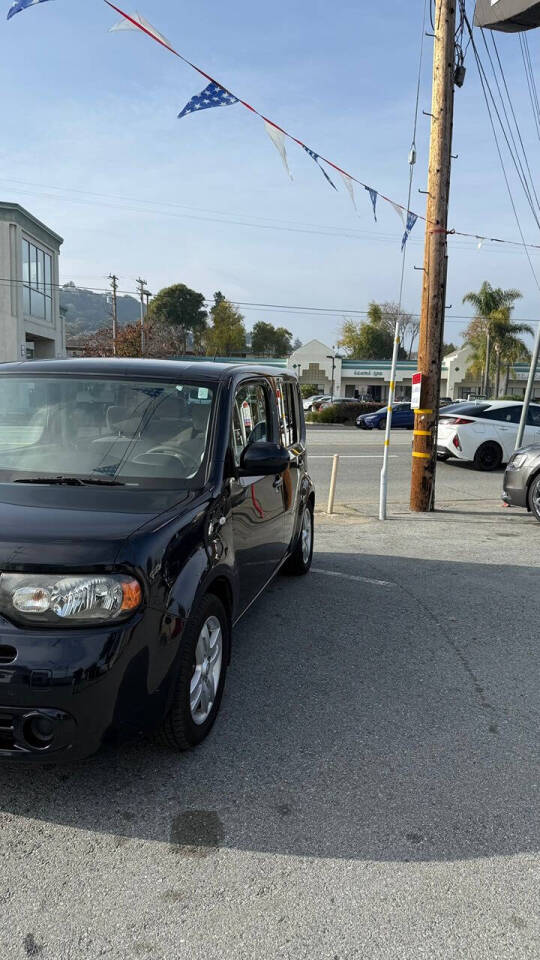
point(53, 526)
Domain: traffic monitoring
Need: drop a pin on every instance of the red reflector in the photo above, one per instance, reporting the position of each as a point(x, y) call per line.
point(455, 441)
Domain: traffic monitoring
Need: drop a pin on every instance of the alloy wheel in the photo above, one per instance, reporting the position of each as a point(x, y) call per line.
point(207, 670)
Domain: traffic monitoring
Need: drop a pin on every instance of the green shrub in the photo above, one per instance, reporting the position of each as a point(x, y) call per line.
point(309, 390)
point(342, 412)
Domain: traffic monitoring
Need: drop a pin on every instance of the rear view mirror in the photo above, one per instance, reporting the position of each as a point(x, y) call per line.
point(263, 459)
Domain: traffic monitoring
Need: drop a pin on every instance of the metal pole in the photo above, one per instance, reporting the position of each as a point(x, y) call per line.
point(391, 393)
point(433, 300)
point(141, 285)
point(114, 285)
point(333, 481)
point(529, 390)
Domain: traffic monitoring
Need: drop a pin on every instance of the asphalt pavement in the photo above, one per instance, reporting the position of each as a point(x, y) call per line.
point(361, 453)
point(370, 789)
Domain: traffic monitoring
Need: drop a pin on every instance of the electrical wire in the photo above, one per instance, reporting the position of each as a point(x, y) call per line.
point(484, 83)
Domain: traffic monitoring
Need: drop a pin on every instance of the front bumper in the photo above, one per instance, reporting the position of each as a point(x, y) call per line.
point(81, 687)
point(515, 488)
point(362, 425)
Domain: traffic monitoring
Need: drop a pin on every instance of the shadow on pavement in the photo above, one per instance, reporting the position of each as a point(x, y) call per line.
point(392, 722)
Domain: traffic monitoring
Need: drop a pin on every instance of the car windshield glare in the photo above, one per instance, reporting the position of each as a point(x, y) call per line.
point(139, 432)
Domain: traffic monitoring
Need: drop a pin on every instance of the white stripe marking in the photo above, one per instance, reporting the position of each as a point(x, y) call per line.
point(349, 576)
point(352, 456)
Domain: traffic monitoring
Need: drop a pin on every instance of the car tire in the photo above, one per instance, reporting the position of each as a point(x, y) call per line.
point(488, 456)
point(533, 497)
point(200, 678)
point(381, 424)
point(299, 562)
point(443, 456)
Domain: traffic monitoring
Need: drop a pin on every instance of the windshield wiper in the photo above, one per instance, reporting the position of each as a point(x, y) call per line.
point(71, 481)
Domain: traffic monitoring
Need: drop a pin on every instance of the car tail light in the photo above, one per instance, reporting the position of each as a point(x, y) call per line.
point(461, 421)
point(455, 441)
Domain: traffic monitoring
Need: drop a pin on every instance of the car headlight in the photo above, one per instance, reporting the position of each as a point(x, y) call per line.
point(517, 461)
point(42, 598)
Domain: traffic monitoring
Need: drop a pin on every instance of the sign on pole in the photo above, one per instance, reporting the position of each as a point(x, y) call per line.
point(416, 392)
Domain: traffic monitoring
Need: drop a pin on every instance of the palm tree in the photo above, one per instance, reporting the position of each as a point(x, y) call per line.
point(507, 344)
point(487, 302)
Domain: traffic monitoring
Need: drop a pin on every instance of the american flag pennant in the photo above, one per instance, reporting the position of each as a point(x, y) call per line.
point(373, 195)
point(135, 21)
point(19, 5)
point(278, 139)
point(315, 156)
point(212, 96)
point(350, 188)
point(411, 220)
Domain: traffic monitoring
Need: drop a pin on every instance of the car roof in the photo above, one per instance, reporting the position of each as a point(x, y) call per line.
point(138, 367)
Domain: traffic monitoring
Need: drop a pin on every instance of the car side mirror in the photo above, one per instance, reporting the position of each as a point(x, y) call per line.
point(263, 458)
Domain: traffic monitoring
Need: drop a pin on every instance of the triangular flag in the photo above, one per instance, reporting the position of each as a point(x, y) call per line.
point(278, 139)
point(315, 156)
point(140, 22)
point(399, 210)
point(411, 220)
point(350, 188)
point(373, 194)
point(19, 5)
point(212, 96)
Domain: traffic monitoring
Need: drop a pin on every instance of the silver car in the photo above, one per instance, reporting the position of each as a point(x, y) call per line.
point(521, 485)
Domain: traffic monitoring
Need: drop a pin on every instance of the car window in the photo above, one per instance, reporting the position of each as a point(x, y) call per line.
point(502, 414)
point(251, 419)
point(288, 417)
point(533, 418)
point(465, 409)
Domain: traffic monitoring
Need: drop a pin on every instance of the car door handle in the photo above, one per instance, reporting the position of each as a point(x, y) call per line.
point(278, 482)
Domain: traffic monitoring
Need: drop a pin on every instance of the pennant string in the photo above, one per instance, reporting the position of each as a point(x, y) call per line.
point(347, 177)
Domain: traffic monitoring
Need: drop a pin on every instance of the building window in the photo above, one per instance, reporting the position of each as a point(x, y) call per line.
point(37, 282)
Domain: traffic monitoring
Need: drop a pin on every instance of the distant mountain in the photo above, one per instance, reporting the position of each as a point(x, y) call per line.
point(86, 311)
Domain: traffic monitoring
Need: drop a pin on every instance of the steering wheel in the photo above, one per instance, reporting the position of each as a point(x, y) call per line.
point(187, 460)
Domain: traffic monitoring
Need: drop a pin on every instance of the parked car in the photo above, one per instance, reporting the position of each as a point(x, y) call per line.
point(402, 416)
point(484, 432)
point(309, 401)
point(334, 401)
point(144, 506)
point(521, 484)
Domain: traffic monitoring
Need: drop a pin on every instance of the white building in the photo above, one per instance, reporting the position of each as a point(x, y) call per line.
point(30, 322)
point(314, 361)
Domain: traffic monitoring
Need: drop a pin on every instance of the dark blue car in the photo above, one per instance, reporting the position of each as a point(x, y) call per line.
point(402, 416)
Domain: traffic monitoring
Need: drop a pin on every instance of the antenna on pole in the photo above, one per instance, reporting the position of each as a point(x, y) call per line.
point(114, 286)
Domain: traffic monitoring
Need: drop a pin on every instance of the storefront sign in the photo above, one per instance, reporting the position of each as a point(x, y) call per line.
point(363, 373)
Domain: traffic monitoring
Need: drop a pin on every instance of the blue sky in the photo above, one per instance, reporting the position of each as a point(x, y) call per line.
point(95, 112)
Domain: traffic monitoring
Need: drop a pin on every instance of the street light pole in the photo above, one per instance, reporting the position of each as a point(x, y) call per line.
point(333, 359)
point(141, 284)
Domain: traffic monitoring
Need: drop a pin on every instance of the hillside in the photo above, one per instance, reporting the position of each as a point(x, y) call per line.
point(87, 311)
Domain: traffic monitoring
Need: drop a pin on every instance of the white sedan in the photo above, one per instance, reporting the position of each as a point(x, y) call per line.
point(484, 433)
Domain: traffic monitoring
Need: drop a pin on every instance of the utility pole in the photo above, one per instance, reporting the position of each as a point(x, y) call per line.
point(141, 284)
point(435, 258)
point(114, 285)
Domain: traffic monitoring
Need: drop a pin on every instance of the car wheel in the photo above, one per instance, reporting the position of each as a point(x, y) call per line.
point(534, 497)
point(300, 559)
point(488, 456)
point(443, 456)
point(201, 677)
point(381, 424)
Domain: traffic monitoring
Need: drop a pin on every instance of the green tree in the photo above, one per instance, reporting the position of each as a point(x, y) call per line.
point(387, 314)
point(270, 341)
point(227, 334)
point(183, 309)
point(369, 340)
point(448, 348)
point(486, 302)
point(507, 344)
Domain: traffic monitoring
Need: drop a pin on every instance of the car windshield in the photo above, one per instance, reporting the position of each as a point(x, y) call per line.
point(136, 432)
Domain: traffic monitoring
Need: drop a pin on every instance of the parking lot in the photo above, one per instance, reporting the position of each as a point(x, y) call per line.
point(361, 451)
point(371, 787)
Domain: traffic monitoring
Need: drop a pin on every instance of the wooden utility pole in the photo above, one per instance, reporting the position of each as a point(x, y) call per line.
point(435, 256)
point(114, 287)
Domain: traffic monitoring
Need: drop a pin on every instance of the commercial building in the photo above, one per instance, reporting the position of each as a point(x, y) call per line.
point(31, 326)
